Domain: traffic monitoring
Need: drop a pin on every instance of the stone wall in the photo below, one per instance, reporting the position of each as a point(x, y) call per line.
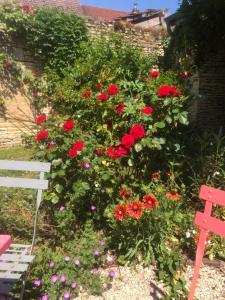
point(18, 117)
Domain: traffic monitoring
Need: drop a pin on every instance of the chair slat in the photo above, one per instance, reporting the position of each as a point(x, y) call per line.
point(7, 275)
point(210, 223)
point(13, 267)
point(23, 183)
point(32, 166)
point(16, 258)
point(213, 195)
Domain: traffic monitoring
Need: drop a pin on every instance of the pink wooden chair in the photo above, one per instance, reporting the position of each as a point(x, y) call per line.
point(5, 242)
point(206, 223)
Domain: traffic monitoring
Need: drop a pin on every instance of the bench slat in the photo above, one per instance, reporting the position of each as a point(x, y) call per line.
point(7, 275)
point(16, 258)
point(32, 166)
point(23, 183)
point(210, 223)
point(13, 267)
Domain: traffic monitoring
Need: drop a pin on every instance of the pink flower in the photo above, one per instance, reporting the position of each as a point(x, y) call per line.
point(76, 261)
point(97, 252)
point(66, 295)
point(37, 282)
point(63, 278)
point(73, 285)
point(54, 278)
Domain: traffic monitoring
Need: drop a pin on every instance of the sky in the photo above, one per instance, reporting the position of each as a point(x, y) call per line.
point(128, 5)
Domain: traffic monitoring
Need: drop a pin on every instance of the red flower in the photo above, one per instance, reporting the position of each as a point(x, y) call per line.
point(26, 9)
point(6, 64)
point(125, 193)
point(98, 86)
point(147, 110)
point(135, 209)
point(120, 108)
point(173, 196)
point(137, 131)
point(154, 74)
point(40, 119)
point(113, 89)
point(50, 146)
point(68, 125)
point(150, 201)
point(168, 91)
point(155, 175)
point(100, 151)
point(78, 146)
point(116, 152)
point(103, 97)
point(128, 141)
point(72, 152)
point(86, 94)
point(120, 212)
point(42, 135)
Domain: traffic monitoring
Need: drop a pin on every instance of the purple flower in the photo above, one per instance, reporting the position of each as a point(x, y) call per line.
point(66, 295)
point(37, 282)
point(54, 278)
point(73, 285)
point(62, 208)
point(87, 165)
point(63, 278)
point(67, 258)
point(97, 252)
point(45, 297)
point(76, 261)
point(93, 207)
point(102, 242)
point(52, 264)
point(112, 274)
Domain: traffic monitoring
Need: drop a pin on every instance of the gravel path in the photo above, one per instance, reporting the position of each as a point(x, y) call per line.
point(141, 284)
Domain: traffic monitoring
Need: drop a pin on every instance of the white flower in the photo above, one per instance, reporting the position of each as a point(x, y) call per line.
point(194, 231)
point(109, 258)
point(188, 234)
point(216, 173)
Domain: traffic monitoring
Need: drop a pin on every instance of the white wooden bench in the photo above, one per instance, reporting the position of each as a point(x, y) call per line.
point(14, 263)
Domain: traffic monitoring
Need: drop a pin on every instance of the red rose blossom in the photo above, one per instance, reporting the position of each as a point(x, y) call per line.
point(26, 8)
point(6, 64)
point(116, 152)
point(135, 209)
point(137, 131)
point(86, 94)
point(50, 145)
point(103, 97)
point(154, 74)
point(72, 152)
point(128, 141)
point(120, 212)
point(42, 135)
point(78, 146)
point(98, 86)
point(150, 201)
point(68, 125)
point(40, 119)
point(147, 110)
point(121, 151)
point(168, 91)
point(100, 151)
point(120, 108)
point(113, 89)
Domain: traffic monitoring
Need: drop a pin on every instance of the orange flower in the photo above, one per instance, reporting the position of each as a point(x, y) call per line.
point(150, 201)
point(173, 196)
point(135, 209)
point(120, 212)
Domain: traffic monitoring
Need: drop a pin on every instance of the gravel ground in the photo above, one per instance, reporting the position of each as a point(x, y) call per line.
point(141, 284)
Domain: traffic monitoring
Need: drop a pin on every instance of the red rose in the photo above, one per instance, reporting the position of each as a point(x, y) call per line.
point(147, 110)
point(100, 151)
point(68, 125)
point(72, 152)
point(42, 135)
point(86, 94)
point(137, 131)
point(168, 91)
point(150, 201)
point(135, 209)
point(120, 212)
point(40, 119)
point(113, 89)
point(50, 146)
point(120, 108)
point(98, 86)
point(121, 151)
point(26, 9)
point(154, 74)
point(128, 141)
point(6, 65)
point(103, 97)
point(116, 152)
point(78, 146)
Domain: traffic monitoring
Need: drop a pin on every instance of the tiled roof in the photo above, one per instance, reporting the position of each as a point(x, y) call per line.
point(102, 13)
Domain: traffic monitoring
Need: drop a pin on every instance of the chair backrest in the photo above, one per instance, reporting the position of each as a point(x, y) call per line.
point(15, 182)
